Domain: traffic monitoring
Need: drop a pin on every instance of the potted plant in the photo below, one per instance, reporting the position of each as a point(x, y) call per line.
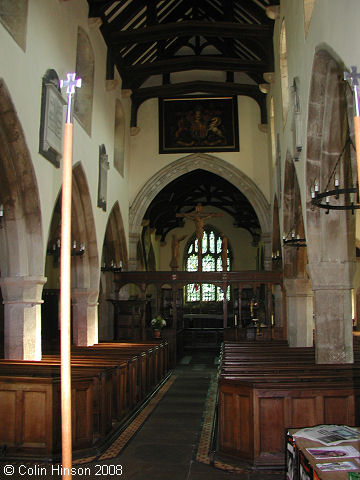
point(157, 324)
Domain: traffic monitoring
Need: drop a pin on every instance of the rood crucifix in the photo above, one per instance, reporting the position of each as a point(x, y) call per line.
point(198, 216)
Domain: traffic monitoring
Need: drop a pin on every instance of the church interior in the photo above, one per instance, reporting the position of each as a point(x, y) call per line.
point(214, 282)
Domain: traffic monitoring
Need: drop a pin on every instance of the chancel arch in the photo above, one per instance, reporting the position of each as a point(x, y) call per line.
point(21, 239)
point(331, 235)
point(208, 163)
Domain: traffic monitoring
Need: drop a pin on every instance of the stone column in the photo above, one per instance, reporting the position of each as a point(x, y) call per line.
point(22, 298)
point(278, 306)
point(332, 283)
point(266, 238)
point(133, 244)
point(299, 300)
point(85, 316)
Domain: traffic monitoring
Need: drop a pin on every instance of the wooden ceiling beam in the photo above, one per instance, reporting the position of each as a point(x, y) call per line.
point(188, 28)
point(195, 62)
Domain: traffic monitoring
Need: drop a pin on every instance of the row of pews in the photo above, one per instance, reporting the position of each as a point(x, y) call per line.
point(109, 382)
point(266, 387)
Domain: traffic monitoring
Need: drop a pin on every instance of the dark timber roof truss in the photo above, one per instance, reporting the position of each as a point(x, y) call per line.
point(157, 38)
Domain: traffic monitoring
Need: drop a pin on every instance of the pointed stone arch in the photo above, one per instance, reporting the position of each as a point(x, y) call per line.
point(331, 237)
point(84, 270)
point(299, 293)
point(212, 164)
point(85, 67)
point(294, 259)
point(114, 250)
point(21, 238)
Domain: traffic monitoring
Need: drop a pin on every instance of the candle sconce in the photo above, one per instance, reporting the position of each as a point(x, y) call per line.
point(55, 250)
point(1, 215)
point(113, 267)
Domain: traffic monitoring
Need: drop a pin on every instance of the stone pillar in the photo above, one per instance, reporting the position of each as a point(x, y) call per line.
point(332, 283)
point(299, 301)
point(85, 316)
point(133, 244)
point(22, 298)
point(266, 238)
point(278, 306)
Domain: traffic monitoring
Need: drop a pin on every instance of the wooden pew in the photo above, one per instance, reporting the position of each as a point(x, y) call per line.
point(109, 381)
point(264, 391)
point(30, 411)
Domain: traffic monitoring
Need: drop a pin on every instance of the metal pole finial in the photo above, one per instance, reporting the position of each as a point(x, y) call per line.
point(71, 83)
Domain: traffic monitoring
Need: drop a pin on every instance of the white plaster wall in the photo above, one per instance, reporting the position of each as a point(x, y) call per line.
point(51, 43)
point(252, 159)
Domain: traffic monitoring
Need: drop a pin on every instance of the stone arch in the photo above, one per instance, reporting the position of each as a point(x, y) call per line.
point(284, 71)
point(308, 11)
point(21, 239)
point(294, 259)
point(114, 250)
point(86, 272)
point(276, 243)
point(299, 295)
point(331, 237)
point(329, 121)
point(85, 66)
point(212, 164)
point(119, 138)
point(13, 15)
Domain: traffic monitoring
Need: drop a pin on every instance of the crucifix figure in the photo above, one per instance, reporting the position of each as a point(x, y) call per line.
point(175, 246)
point(198, 217)
point(353, 78)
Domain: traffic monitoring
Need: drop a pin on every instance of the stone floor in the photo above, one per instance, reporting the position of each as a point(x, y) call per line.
point(167, 440)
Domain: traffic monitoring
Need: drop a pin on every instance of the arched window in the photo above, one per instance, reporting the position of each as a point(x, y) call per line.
point(212, 261)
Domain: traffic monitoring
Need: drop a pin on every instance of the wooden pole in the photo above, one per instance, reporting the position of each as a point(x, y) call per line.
point(357, 145)
point(65, 301)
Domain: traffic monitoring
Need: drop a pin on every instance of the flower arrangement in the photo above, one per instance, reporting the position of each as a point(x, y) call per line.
point(158, 322)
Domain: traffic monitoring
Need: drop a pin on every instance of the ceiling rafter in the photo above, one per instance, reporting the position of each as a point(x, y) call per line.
point(145, 41)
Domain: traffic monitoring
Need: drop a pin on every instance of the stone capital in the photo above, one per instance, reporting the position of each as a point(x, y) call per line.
point(298, 287)
point(85, 296)
point(22, 289)
point(331, 275)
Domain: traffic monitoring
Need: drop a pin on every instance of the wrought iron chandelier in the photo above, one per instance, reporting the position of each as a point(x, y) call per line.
point(349, 195)
point(293, 240)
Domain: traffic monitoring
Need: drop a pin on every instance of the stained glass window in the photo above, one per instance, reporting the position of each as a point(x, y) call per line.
point(211, 262)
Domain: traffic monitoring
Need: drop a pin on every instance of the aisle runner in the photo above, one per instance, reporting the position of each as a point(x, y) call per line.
point(203, 454)
point(130, 431)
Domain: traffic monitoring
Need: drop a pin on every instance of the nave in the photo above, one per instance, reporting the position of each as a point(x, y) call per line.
point(169, 439)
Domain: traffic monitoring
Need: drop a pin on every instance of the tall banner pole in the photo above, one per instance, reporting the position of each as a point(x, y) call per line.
point(353, 78)
point(65, 280)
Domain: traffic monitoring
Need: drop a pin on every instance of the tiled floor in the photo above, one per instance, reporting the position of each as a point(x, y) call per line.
point(167, 445)
point(169, 440)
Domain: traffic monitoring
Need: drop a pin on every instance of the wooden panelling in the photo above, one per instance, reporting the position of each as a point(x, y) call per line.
point(271, 425)
point(266, 388)
point(7, 417)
